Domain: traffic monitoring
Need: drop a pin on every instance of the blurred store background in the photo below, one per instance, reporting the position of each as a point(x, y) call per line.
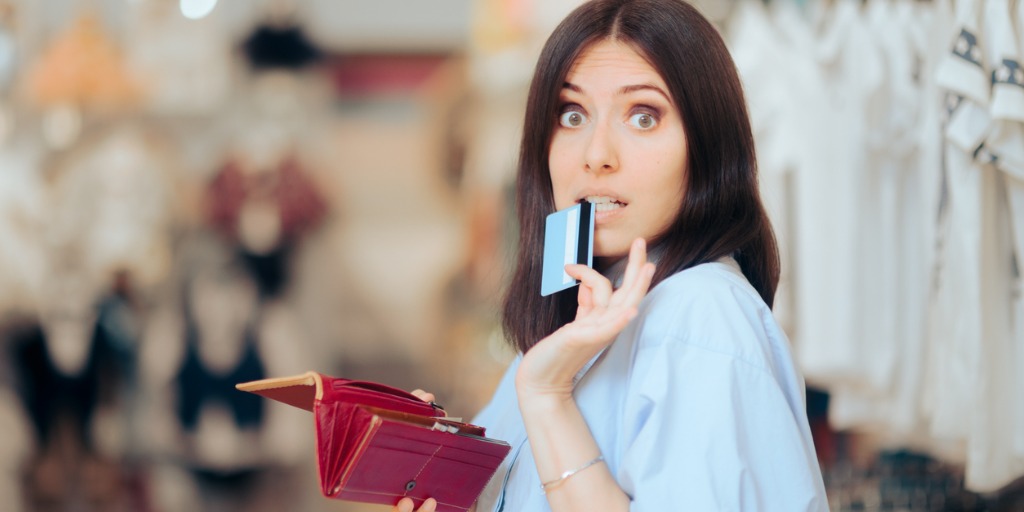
point(195, 193)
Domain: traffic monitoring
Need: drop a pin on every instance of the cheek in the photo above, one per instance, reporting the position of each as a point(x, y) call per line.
point(668, 210)
point(668, 190)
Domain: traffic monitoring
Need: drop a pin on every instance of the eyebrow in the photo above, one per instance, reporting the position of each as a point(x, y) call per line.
point(624, 90)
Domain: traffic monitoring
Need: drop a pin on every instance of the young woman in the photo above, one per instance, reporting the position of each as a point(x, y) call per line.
point(685, 397)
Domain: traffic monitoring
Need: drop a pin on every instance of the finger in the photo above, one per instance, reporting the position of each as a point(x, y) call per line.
point(637, 258)
point(634, 270)
point(600, 286)
point(604, 330)
point(423, 395)
point(404, 505)
point(635, 293)
point(584, 301)
point(429, 506)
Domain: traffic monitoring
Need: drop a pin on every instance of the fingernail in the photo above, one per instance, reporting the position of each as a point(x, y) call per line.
point(429, 506)
point(405, 505)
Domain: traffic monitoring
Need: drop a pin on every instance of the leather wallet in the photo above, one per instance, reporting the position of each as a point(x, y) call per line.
point(379, 444)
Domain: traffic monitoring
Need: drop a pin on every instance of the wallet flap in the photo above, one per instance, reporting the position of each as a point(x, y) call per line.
point(357, 392)
point(298, 390)
point(304, 390)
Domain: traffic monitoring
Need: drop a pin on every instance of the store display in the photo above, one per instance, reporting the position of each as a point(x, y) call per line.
point(888, 140)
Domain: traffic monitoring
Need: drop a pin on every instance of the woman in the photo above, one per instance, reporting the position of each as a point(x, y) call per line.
point(685, 397)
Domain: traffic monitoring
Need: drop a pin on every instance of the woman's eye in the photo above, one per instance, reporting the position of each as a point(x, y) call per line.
point(572, 118)
point(643, 120)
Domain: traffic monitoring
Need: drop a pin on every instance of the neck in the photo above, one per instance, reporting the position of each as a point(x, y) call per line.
point(614, 268)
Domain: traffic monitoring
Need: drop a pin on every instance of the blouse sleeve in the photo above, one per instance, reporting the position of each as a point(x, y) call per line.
point(708, 430)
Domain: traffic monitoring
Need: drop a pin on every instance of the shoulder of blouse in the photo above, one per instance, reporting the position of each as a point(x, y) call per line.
point(710, 306)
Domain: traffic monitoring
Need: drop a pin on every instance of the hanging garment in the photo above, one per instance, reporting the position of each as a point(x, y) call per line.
point(1008, 114)
point(280, 47)
point(766, 64)
point(23, 215)
point(266, 212)
point(8, 53)
point(220, 426)
point(283, 203)
point(15, 449)
point(893, 227)
point(958, 316)
point(53, 396)
point(990, 464)
point(927, 27)
point(857, 403)
point(113, 202)
point(830, 199)
point(198, 385)
point(182, 76)
point(974, 283)
point(82, 66)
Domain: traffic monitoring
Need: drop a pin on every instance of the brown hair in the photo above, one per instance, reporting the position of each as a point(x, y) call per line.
point(721, 213)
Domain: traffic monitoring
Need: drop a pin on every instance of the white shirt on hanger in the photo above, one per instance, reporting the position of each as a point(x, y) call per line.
point(956, 327)
point(990, 462)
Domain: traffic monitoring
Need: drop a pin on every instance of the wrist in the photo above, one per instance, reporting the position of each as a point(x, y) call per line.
point(545, 401)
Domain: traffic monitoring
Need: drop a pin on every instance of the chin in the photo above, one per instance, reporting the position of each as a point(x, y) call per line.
point(613, 252)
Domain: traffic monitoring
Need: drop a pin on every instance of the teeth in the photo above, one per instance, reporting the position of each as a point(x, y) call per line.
point(604, 203)
point(606, 207)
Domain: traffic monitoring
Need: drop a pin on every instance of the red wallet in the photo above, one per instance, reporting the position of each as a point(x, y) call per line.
point(378, 444)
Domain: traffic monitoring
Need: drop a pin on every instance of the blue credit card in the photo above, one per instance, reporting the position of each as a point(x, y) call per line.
point(568, 239)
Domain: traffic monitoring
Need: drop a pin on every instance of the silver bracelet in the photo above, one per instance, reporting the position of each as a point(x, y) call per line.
point(548, 485)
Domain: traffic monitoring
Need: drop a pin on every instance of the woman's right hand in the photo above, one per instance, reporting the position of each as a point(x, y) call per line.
point(547, 371)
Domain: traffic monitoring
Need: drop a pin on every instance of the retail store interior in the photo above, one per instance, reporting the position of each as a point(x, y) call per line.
point(197, 193)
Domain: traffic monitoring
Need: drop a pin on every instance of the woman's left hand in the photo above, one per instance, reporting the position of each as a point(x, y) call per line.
point(548, 369)
point(407, 505)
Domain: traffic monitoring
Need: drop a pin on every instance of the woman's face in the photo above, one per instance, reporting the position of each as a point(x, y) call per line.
point(619, 143)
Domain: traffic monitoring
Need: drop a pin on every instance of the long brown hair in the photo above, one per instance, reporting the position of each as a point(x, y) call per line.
point(721, 213)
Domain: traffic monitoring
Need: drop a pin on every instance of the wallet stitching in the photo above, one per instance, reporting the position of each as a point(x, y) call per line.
point(425, 464)
point(406, 494)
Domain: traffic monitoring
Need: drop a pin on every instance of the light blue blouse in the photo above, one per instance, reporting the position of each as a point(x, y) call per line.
point(697, 405)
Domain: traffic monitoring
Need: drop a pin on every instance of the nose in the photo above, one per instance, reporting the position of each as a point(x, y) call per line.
point(600, 154)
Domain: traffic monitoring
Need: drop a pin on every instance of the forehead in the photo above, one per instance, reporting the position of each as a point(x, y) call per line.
point(615, 61)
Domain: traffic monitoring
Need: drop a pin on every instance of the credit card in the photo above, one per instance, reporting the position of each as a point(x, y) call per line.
point(568, 239)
